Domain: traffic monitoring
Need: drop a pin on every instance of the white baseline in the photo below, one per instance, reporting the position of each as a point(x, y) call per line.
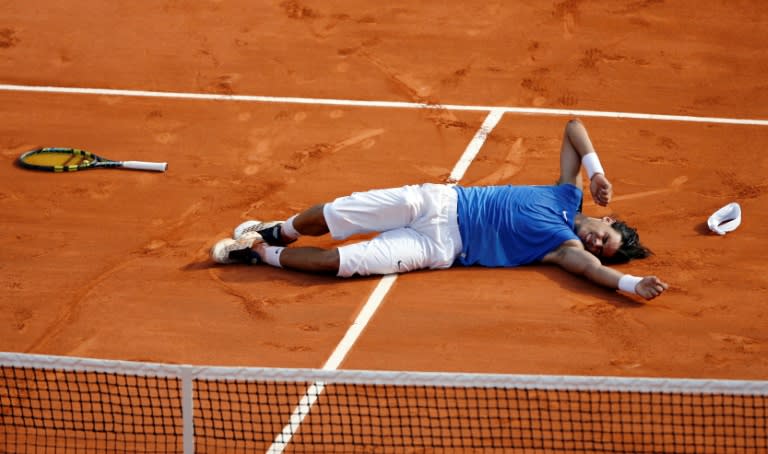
point(389, 104)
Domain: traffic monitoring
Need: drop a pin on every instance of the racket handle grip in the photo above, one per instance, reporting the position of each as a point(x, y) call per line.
point(142, 165)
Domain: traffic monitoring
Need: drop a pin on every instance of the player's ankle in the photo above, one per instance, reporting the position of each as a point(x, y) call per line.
point(270, 254)
point(247, 255)
point(288, 232)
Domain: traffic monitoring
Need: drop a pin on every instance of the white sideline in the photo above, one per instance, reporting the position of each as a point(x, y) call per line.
point(474, 145)
point(390, 104)
point(370, 307)
point(333, 362)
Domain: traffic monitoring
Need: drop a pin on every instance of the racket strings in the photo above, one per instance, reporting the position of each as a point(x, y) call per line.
point(58, 158)
point(74, 160)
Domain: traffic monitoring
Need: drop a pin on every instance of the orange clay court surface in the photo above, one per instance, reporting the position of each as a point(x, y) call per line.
point(114, 263)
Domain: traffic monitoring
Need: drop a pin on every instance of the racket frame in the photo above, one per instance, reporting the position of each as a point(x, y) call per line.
point(90, 161)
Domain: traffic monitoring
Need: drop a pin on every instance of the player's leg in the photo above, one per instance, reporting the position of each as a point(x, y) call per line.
point(377, 210)
point(362, 212)
point(311, 222)
point(305, 258)
point(393, 251)
point(421, 231)
point(251, 249)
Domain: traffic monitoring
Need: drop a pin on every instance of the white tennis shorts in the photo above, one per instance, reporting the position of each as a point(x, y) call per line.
point(418, 224)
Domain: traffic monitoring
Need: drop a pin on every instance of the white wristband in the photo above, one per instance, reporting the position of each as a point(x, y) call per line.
point(591, 162)
point(627, 283)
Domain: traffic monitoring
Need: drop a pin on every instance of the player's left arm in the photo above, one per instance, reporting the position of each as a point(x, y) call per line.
point(572, 257)
point(577, 150)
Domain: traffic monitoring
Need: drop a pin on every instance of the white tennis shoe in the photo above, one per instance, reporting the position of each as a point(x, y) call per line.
point(269, 231)
point(726, 219)
point(238, 250)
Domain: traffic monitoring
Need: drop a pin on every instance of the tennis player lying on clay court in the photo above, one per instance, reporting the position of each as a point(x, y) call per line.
point(440, 225)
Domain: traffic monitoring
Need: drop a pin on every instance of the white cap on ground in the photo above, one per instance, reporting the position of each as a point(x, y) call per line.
point(726, 219)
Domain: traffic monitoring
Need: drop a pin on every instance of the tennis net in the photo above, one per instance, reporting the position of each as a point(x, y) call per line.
point(65, 404)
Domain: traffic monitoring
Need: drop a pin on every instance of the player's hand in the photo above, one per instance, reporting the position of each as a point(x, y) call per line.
point(601, 188)
point(650, 287)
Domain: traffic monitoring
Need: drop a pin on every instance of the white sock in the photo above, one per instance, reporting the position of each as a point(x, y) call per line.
point(288, 230)
point(271, 255)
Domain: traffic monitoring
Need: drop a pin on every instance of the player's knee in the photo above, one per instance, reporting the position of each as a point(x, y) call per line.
point(321, 222)
point(312, 221)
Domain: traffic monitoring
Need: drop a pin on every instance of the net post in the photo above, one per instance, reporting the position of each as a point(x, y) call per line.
point(188, 430)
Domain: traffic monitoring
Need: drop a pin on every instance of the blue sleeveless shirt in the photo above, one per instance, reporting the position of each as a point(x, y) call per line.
point(504, 226)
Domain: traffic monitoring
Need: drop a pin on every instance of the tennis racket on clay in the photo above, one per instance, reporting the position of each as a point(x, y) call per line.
point(72, 159)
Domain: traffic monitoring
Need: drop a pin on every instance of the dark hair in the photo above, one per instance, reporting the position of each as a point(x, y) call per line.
point(631, 248)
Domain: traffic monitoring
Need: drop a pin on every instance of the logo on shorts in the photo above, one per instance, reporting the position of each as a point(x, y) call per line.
point(399, 264)
point(565, 215)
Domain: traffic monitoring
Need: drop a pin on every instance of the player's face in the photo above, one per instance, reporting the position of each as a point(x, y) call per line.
point(599, 237)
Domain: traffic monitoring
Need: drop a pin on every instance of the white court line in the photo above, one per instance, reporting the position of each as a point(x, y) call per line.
point(374, 301)
point(474, 145)
point(349, 339)
point(390, 104)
